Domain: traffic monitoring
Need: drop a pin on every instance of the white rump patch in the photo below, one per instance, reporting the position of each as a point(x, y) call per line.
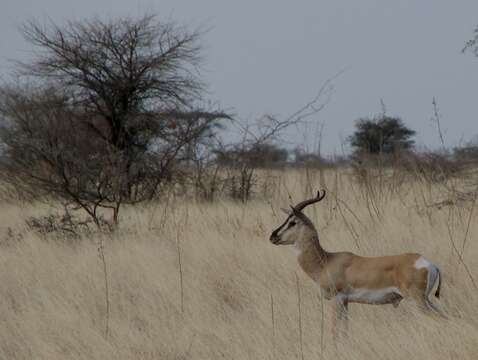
point(374, 296)
point(432, 275)
point(422, 263)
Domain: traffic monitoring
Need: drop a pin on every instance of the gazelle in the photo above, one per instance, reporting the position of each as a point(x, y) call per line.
point(349, 278)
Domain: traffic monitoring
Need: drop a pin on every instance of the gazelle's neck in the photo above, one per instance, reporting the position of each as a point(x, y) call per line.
point(310, 254)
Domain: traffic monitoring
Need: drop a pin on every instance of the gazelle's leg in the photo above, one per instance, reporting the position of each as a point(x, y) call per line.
point(434, 308)
point(421, 299)
point(345, 317)
point(335, 319)
point(340, 321)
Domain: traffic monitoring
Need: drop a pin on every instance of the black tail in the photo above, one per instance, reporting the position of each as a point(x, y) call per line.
point(437, 293)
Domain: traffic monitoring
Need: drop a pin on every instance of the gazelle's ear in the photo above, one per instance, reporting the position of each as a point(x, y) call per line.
point(286, 211)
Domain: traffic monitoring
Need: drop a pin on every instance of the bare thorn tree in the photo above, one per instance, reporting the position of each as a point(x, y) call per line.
point(108, 111)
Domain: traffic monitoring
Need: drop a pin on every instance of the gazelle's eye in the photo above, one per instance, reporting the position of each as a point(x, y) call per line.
point(292, 223)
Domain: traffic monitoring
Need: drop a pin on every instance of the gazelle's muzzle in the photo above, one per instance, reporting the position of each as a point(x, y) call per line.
point(274, 238)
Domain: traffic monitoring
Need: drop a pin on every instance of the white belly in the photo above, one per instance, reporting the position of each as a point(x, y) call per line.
point(374, 296)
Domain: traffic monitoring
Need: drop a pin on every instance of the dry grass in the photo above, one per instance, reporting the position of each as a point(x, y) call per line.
point(52, 303)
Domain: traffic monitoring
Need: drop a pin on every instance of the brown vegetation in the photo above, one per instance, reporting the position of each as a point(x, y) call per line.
point(195, 280)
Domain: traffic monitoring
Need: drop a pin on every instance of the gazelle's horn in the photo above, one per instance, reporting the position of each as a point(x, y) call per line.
point(300, 206)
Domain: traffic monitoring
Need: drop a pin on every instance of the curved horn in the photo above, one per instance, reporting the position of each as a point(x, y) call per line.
point(300, 206)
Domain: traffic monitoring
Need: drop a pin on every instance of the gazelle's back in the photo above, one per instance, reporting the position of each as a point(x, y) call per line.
point(386, 271)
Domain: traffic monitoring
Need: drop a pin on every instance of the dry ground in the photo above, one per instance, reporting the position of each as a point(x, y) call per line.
point(240, 298)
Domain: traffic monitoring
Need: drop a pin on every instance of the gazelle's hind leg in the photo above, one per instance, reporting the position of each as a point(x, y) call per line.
point(422, 301)
point(421, 295)
point(431, 306)
point(433, 277)
point(426, 305)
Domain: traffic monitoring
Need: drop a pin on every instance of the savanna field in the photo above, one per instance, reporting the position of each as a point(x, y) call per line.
point(197, 280)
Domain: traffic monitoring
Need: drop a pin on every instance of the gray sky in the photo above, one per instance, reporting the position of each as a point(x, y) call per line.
point(272, 56)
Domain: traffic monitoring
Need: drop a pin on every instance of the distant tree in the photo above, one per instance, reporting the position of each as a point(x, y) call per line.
point(259, 155)
point(467, 152)
point(382, 134)
point(304, 158)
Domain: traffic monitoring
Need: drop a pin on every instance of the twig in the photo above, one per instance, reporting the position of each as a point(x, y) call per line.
point(273, 328)
point(180, 271)
point(300, 317)
point(450, 235)
point(178, 245)
point(268, 126)
point(321, 324)
point(350, 228)
point(469, 222)
point(105, 275)
point(436, 119)
point(191, 343)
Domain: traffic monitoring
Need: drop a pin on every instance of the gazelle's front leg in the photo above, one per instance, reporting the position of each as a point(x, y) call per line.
point(340, 321)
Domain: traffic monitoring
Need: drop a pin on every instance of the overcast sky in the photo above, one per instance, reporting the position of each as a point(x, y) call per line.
point(272, 56)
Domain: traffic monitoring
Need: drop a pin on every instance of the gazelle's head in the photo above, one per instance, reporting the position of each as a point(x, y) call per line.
point(295, 224)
